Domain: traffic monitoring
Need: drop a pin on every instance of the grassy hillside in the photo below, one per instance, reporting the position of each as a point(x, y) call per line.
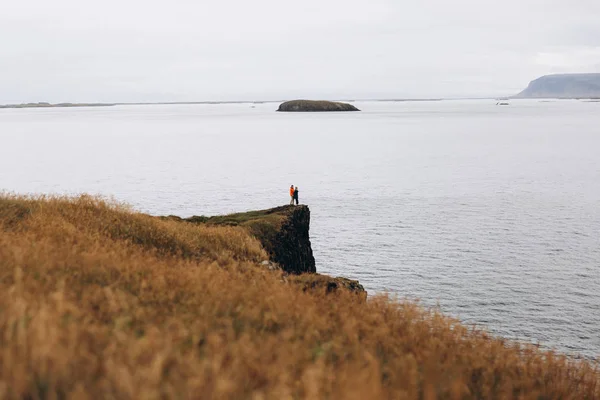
point(97, 301)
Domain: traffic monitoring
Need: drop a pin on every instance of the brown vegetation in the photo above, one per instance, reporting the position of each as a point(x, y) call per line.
point(97, 301)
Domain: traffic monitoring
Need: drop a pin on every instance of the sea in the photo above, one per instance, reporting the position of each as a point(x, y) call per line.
point(488, 213)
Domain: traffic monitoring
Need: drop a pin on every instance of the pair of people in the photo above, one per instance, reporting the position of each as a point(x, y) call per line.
point(293, 195)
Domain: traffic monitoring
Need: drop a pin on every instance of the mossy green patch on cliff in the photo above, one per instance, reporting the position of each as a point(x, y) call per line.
point(272, 217)
point(263, 224)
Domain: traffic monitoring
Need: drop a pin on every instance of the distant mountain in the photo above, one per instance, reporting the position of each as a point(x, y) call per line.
point(563, 86)
point(48, 105)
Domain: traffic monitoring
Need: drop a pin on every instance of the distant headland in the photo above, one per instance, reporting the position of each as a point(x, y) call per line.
point(49, 105)
point(563, 86)
point(313, 106)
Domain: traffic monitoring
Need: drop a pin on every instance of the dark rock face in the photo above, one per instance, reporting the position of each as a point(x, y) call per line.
point(290, 246)
point(563, 86)
point(315, 106)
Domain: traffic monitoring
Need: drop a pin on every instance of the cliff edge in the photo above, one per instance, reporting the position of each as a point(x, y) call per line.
point(283, 232)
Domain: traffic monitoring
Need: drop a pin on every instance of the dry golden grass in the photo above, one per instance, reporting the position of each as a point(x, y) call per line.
point(97, 301)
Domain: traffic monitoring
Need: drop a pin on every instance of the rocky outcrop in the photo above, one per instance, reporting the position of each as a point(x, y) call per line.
point(283, 232)
point(563, 86)
point(290, 245)
point(315, 106)
point(327, 284)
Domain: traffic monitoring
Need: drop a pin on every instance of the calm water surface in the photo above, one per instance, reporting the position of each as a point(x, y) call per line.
point(491, 212)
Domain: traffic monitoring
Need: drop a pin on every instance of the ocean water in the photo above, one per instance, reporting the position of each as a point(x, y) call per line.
point(490, 212)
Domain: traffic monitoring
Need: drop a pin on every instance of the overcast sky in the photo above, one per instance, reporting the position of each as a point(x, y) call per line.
point(186, 50)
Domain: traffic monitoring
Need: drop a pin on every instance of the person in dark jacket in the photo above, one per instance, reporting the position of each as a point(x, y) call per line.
point(296, 195)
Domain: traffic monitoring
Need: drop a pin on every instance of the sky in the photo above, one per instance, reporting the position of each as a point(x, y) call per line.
point(197, 50)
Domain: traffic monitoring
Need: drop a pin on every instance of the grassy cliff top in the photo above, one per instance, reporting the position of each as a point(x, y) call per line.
point(273, 217)
point(98, 301)
point(268, 226)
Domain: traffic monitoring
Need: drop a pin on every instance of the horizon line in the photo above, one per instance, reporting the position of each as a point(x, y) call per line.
point(42, 104)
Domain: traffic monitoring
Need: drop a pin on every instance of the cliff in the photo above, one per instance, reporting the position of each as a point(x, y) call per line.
point(563, 86)
point(283, 232)
point(315, 106)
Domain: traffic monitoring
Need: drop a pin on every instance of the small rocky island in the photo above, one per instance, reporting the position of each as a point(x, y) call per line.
point(315, 106)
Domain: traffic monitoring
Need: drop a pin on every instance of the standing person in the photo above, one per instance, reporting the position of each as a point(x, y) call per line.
point(292, 195)
point(296, 195)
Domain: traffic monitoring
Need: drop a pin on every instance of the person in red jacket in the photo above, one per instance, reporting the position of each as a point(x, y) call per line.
point(292, 195)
